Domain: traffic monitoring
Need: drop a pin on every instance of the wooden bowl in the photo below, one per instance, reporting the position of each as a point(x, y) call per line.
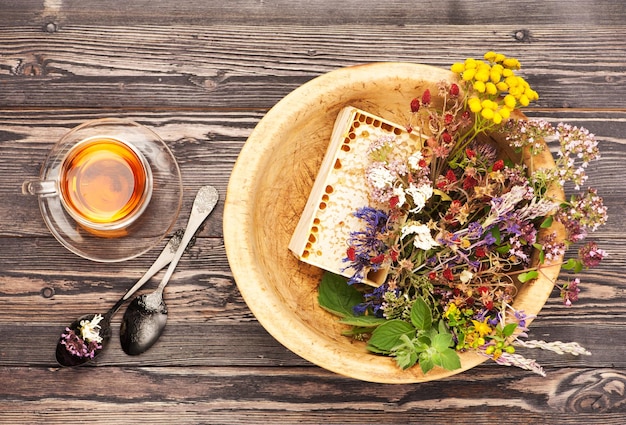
point(267, 192)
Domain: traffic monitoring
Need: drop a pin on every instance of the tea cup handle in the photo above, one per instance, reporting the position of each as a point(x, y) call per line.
point(39, 187)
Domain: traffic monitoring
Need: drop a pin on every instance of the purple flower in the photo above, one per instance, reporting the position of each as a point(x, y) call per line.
point(366, 245)
point(373, 300)
point(569, 292)
point(78, 346)
point(474, 230)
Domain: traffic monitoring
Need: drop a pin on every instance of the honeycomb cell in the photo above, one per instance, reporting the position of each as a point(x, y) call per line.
point(387, 127)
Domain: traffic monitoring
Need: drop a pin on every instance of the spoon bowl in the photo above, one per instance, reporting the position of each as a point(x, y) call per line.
point(73, 350)
point(145, 317)
point(143, 323)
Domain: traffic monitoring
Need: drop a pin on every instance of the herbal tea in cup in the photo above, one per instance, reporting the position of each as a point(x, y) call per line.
point(109, 190)
point(105, 183)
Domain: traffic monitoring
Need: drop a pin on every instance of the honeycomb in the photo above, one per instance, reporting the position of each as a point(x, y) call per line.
point(321, 236)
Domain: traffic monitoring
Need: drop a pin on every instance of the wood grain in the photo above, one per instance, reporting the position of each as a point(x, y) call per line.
point(255, 66)
point(202, 74)
point(311, 14)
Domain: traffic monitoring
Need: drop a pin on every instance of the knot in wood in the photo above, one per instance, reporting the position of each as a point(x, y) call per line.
point(47, 292)
point(522, 35)
point(50, 27)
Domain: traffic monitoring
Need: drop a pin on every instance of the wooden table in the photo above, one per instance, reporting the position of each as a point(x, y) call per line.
point(202, 74)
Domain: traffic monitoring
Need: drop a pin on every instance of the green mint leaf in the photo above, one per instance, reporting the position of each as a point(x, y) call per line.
point(421, 315)
point(509, 329)
point(442, 341)
point(503, 249)
point(363, 321)
point(426, 362)
point(450, 359)
point(547, 222)
point(387, 336)
point(573, 264)
point(336, 296)
point(569, 264)
point(495, 232)
point(525, 277)
point(406, 358)
point(443, 329)
point(405, 353)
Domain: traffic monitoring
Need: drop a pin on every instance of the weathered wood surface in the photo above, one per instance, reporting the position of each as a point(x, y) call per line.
point(202, 74)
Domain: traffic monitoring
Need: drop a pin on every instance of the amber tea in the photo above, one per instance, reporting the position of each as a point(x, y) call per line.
point(105, 183)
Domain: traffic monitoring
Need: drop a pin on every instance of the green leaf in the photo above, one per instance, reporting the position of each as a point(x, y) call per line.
point(405, 353)
point(388, 335)
point(525, 277)
point(421, 315)
point(422, 343)
point(442, 341)
point(503, 249)
point(336, 296)
point(363, 321)
point(573, 264)
point(426, 362)
point(406, 358)
point(547, 222)
point(443, 329)
point(509, 329)
point(450, 359)
point(495, 232)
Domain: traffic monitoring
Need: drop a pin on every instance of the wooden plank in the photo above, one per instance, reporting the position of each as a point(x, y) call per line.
point(253, 67)
point(209, 323)
point(301, 12)
point(303, 395)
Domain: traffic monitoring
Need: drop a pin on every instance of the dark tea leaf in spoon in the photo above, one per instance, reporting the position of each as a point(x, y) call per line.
point(83, 340)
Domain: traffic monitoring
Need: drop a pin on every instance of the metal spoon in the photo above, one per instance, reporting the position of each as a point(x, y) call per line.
point(72, 350)
point(145, 317)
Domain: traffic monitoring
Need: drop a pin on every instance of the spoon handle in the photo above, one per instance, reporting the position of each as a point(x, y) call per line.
point(163, 260)
point(205, 201)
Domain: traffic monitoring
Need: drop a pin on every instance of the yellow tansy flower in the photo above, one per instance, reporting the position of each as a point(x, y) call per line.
point(468, 74)
point(479, 86)
point(457, 67)
point(474, 104)
point(509, 101)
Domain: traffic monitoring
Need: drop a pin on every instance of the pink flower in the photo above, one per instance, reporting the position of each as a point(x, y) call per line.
point(591, 255)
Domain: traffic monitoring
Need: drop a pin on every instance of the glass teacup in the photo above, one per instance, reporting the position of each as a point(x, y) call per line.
point(109, 190)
